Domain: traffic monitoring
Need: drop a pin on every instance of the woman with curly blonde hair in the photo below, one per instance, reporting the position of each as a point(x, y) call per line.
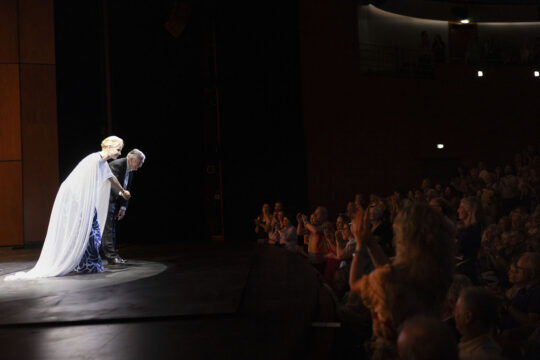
point(414, 282)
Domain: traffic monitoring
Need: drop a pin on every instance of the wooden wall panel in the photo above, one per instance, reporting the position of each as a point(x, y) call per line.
point(36, 24)
point(11, 210)
point(40, 147)
point(9, 48)
point(10, 128)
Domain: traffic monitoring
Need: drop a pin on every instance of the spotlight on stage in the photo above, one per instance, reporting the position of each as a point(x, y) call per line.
point(480, 73)
point(440, 146)
point(536, 73)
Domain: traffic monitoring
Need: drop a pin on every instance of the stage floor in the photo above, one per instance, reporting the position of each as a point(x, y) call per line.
point(170, 301)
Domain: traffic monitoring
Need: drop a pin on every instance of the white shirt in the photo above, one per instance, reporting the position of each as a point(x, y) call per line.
point(479, 348)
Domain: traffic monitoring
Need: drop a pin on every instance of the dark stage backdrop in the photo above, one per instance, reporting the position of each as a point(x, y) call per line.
point(166, 98)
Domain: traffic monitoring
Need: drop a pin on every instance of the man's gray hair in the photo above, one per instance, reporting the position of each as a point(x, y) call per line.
point(138, 153)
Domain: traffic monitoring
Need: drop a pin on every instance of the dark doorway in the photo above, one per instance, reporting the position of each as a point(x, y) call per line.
point(463, 41)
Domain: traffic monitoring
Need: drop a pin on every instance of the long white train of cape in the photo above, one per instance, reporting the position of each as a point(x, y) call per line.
point(85, 190)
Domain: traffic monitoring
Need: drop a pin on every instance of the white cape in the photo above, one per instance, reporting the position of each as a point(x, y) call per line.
point(84, 190)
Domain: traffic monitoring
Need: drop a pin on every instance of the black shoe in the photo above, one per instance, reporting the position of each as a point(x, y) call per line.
point(121, 260)
point(114, 261)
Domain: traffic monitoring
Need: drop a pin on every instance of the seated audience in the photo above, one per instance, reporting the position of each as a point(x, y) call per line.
point(479, 228)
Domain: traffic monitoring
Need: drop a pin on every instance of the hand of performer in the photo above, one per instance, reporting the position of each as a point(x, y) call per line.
point(121, 213)
point(126, 194)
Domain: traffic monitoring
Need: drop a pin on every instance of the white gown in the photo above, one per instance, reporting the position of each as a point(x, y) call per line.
point(85, 190)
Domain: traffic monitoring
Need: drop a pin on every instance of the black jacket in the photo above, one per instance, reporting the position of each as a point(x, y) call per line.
point(118, 168)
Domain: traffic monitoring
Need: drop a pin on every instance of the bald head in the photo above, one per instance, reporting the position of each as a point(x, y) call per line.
point(425, 338)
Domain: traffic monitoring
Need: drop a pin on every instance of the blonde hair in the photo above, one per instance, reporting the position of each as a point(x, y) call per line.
point(472, 205)
point(425, 249)
point(112, 141)
point(421, 232)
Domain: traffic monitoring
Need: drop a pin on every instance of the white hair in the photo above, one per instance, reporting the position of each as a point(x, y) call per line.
point(138, 153)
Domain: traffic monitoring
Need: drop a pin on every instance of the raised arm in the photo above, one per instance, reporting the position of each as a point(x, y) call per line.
point(361, 233)
point(308, 226)
point(365, 241)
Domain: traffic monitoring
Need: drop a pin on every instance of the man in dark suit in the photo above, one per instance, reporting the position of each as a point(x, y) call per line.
point(123, 169)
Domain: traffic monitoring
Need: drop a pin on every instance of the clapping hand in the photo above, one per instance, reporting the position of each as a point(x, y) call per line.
point(361, 228)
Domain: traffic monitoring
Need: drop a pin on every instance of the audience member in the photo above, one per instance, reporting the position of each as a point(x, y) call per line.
point(287, 235)
point(451, 196)
point(317, 245)
point(417, 279)
point(459, 283)
point(398, 201)
point(508, 185)
point(426, 338)
point(469, 237)
point(303, 233)
point(476, 313)
point(533, 231)
point(351, 209)
point(359, 201)
point(523, 299)
point(332, 261)
point(381, 229)
point(442, 206)
point(262, 223)
point(275, 226)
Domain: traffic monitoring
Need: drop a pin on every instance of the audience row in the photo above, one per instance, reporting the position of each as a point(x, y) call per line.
point(439, 271)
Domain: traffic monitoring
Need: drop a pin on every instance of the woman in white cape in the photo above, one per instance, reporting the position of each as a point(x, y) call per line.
point(78, 217)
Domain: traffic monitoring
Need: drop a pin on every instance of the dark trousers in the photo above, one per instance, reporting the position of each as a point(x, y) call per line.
point(108, 239)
